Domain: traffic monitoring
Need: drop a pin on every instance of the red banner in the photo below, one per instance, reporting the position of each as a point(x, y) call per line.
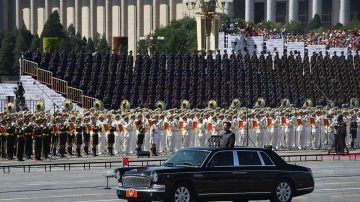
point(312, 120)
point(166, 126)
point(195, 125)
point(326, 122)
point(181, 125)
point(269, 123)
point(299, 121)
point(254, 124)
point(55, 128)
point(210, 127)
point(241, 124)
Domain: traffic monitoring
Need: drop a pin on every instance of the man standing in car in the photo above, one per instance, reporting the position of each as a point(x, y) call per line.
point(227, 139)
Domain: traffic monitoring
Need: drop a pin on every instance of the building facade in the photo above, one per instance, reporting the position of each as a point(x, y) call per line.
point(137, 18)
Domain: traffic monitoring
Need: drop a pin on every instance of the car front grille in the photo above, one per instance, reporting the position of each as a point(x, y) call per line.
point(136, 182)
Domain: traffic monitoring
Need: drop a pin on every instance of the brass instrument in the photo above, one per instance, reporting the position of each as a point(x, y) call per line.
point(212, 104)
point(285, 103)
point(11, 108)
point(125, 106)
point(308, 103)
point(330, 104)
point(98, 105)
point(185, 104)
point(235, 104)
point(160, 105)
point(354, 103)
point(68, 105)
point(260, 103)
point(40, 106)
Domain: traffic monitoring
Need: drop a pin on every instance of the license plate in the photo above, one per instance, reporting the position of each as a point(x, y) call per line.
point(131, 193)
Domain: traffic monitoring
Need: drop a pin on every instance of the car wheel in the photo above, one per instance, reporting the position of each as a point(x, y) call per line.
point(282, 192)
point(181, 193)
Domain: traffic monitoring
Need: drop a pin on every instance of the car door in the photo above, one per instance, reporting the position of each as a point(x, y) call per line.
point(218, 179)
point(250, 173)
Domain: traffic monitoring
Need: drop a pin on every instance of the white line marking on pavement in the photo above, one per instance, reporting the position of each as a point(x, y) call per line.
point(49, 197)
point(338, 189)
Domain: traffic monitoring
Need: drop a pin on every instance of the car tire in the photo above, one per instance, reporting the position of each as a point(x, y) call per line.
point(283, 191)
point(181, 193)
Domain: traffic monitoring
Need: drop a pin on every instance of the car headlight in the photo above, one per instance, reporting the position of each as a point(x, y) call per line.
point(154, 177)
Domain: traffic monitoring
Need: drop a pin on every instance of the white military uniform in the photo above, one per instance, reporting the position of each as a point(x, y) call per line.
point(102, 137)
point(154, 134)
point(203, 133)
point(262, 132)
point(130, 137)
point(316, 141)
point(291, 132)
point(173, 135)
point(119, 137)
point(146, 145)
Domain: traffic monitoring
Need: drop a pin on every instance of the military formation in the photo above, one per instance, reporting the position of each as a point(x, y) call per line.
point(38, 135)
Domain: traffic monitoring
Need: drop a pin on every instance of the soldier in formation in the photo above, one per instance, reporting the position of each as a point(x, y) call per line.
point(124, 132)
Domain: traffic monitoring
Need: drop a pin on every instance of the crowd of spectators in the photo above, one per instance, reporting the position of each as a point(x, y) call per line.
point(331, 38)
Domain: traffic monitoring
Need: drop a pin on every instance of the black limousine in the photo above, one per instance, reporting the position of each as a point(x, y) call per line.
point(207, 173)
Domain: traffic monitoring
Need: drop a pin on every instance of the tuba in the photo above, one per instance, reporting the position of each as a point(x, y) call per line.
point(330, 104)
point(260, 103)
point(308, 103)
point(10, 108)
point(285, 103)
point(125, 105)
point(160, 105)
point(354, 103)
point(235, 104)
point(212, 104)
point(185, 104)
point(98, 105)
point(40, 106)
point(68, 105)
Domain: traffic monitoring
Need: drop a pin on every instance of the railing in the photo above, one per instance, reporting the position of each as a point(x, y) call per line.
point(44, 77)
point(58, 85)
point(88, 102)
point(29, 67)
point(75, 95)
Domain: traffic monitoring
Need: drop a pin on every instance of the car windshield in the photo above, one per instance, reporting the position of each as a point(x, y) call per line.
point(187, 158)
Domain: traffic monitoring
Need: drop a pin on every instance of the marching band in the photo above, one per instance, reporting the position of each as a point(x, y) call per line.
point(24, 134)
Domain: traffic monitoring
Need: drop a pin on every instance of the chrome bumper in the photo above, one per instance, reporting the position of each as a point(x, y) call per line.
point(148, 190)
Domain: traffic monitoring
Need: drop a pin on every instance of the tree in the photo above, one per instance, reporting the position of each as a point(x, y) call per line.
point(102, 46)
point(20, 47)
point(293, 27)
point(90, 46)
point(35, 43)
point(180, 34)
point(27, 36)
point(7, 55)
point(53, 27)
point(315, 23)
